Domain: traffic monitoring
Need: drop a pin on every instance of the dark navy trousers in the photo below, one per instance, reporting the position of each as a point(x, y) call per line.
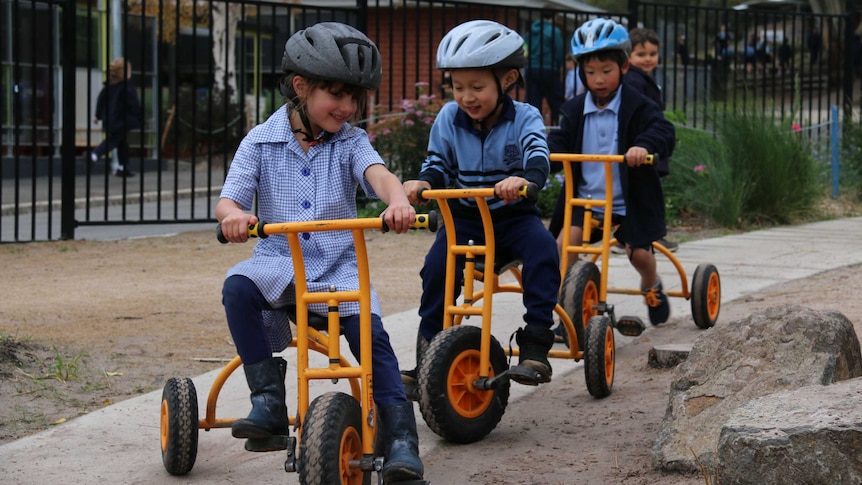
point(244, 304)
point(520, 237)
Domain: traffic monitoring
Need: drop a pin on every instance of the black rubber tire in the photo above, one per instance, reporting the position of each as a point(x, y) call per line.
point(421, 347)
point(331, 437)
point(179, 425)
point(705, 295)
point(599, 361)
point(578, 295)
point(449, 404)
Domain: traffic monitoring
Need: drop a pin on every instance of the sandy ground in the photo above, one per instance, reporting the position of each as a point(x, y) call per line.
point(85, 324)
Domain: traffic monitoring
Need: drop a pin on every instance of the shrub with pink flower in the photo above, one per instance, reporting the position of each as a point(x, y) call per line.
point(401, 137)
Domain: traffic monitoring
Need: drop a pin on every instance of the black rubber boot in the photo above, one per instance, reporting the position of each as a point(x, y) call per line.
point(268, 414)
point(402, 443)
point(533, 367)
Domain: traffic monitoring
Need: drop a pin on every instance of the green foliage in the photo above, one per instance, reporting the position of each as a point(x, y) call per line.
point(401, 137)
point(785, 181)
point(703, 181)
point(752, 171)
point(548, 194)
point(62, 369)
point(851, 154)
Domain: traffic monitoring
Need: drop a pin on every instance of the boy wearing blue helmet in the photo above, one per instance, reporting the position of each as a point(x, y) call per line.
point(485, 139)
point(612, 118)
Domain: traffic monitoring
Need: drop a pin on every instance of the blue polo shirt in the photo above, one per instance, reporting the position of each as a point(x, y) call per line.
point(601, 137)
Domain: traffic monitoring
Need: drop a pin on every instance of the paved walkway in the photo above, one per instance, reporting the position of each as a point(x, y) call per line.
point(120, 443)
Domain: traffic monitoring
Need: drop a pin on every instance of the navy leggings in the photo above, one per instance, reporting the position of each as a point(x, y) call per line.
point(520, 237)
point(244, 304)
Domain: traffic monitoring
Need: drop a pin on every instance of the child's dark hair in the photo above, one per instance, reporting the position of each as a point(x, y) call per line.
point(642, 36)
point(616, 55)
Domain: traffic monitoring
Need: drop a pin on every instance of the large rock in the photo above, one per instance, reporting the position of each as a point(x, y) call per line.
point(777, 349)
point(807, 435)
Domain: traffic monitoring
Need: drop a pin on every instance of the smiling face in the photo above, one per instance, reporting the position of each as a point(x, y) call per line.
point(645, 57)
point(603, 77)
point(477, 93)
point(328, 105)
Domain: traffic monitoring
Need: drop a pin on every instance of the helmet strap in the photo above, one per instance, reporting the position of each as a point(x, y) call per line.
point(605, 100)
point(306, 130)
point(497, 107)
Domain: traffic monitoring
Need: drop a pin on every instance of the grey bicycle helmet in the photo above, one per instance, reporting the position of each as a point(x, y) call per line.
point(480, 44)
point(335, 52)
point(600, 35)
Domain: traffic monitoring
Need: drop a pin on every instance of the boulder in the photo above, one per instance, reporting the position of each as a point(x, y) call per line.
point(808, 435)
point(777, 349)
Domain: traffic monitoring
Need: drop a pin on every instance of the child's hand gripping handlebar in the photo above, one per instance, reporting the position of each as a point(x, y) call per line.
point(262, 229)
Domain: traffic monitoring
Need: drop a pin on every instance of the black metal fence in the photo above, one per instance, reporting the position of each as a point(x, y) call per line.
point(200, 92)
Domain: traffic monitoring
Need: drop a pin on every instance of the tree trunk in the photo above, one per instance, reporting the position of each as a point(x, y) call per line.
point(224, 24)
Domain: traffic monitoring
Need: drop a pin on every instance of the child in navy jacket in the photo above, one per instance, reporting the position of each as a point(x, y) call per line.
point(613, 118)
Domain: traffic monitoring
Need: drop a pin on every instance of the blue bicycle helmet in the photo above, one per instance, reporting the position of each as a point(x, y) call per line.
point(600, 35)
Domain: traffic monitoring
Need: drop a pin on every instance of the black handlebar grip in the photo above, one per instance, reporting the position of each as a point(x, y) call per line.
point(419, 193)
point(529, 192)
point(426, 221)
point(220, 235)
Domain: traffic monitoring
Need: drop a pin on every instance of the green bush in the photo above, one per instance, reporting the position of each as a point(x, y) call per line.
point(752, 171)
point(851, 155)
point(784, 177)
point(401, 137)
point(703, 181)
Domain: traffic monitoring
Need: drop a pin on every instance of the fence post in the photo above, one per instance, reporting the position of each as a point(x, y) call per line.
point(633, 5)
point(836, 130)
point(362, 16)
point(67, 146)
point(849, 67)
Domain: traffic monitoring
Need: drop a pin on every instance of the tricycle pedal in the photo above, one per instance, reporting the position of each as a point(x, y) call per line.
point(271, 443)
point(630, 326)
point(290, 462)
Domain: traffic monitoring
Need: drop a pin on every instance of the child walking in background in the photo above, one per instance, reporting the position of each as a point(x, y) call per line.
point(119, 110)
point(485, 139)
point(644, 59)
point(612, 118)
point(305, 163)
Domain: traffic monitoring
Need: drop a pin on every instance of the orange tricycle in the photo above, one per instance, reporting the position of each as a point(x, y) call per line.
point(336, 430)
